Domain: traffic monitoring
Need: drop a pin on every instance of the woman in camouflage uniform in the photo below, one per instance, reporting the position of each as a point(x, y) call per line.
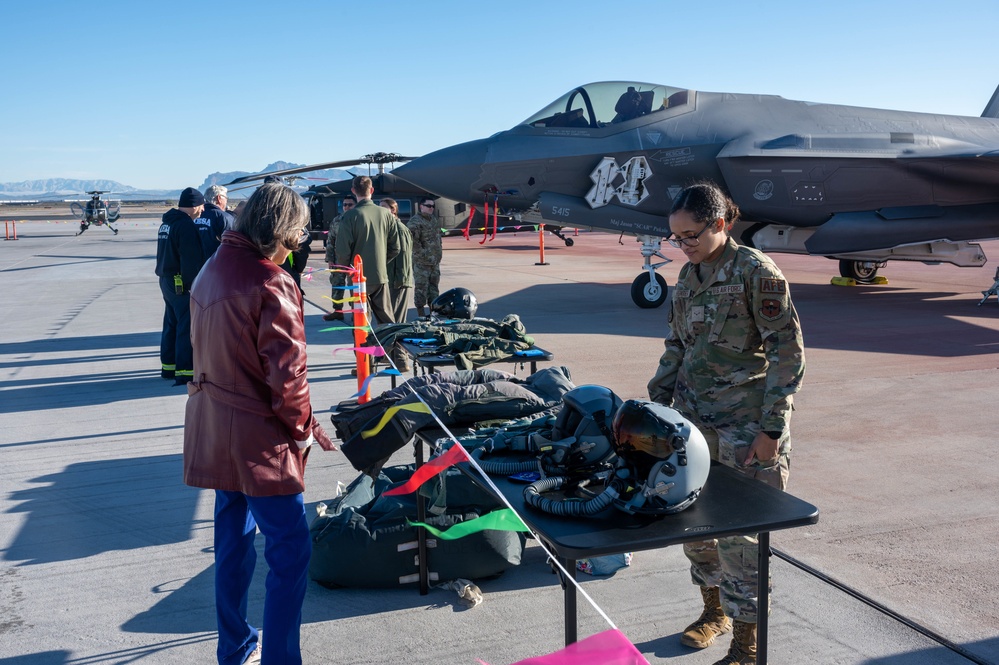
point(733, 360)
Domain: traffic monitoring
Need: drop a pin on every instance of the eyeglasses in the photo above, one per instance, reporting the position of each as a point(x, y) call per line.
point(347, 206)
point(692, 241)
point(428, 205)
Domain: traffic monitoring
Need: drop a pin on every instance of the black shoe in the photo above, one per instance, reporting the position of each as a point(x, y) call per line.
point(182, 381)
point(167, 374)
point(333, 316)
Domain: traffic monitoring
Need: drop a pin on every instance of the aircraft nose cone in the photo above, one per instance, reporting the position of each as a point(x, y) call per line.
point(450, 172)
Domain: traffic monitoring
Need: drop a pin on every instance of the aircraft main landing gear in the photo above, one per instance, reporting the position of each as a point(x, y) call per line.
point(863, 272)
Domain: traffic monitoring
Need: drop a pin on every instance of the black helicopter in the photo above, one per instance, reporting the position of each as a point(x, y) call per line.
point(97, 211)
point(456, 217)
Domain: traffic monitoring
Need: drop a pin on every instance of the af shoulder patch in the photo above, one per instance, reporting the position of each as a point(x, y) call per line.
point(771, 309)
point(774, 293)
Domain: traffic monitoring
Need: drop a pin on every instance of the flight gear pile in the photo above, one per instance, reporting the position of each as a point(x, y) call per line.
point(474, 343)
point(465, 397)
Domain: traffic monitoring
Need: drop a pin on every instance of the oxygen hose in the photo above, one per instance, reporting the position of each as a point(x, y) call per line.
point(502, 468)
point(568, 507)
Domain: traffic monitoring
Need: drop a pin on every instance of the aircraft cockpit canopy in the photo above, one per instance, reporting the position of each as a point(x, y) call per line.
point(599, 105)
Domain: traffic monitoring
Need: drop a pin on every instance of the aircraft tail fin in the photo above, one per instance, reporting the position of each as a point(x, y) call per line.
point(992, 108)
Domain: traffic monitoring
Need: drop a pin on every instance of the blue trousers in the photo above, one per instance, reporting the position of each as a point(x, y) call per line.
point(287, 548)
point(175, 341)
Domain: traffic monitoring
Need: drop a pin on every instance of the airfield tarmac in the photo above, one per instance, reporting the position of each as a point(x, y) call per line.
point(106, 555)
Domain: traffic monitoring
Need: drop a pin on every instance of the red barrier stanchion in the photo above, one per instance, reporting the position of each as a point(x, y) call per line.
point(360, 320)
point(468, 225)
point(485, 227)
point(7, 227)
point(541, 244)
point(495, 218)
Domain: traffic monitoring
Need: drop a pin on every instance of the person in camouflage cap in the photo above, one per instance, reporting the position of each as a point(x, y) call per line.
point(427, 252)
point(734, 358)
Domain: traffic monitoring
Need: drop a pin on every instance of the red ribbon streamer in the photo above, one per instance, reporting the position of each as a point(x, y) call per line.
point(453, 456)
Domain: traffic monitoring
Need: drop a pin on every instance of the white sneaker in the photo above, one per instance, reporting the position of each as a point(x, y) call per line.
point(254, 657)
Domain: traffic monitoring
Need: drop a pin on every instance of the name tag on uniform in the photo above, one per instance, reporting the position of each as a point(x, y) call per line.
point(697, 314)
point(728, 288)
point(682, 293)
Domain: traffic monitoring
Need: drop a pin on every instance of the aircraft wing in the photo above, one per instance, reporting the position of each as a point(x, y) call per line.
point(885, 228)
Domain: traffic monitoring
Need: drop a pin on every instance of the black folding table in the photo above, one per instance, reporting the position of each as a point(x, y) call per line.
point(730, 504)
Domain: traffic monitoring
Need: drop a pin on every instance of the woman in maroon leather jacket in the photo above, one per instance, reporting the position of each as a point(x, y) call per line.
point(249, 424)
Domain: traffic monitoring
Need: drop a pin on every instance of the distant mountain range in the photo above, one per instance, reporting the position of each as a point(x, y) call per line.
point(64, 188)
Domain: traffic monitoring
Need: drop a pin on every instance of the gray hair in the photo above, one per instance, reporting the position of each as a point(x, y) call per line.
point(273, 216)
point(214, 192)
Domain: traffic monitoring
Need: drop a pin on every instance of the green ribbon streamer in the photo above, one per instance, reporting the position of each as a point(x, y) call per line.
point(498, 520)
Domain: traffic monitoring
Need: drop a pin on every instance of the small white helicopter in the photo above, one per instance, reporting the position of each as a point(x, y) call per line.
point(97, 211)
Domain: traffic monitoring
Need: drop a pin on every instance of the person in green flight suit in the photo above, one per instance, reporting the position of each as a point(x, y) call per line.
point(369, 231)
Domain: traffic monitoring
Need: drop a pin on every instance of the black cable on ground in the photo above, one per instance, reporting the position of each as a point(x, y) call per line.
point(867, 600)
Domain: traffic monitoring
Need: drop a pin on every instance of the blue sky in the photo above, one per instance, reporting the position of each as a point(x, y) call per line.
point(159, 95)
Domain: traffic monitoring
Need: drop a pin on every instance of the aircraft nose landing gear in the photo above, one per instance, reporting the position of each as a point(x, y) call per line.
point(649, 290)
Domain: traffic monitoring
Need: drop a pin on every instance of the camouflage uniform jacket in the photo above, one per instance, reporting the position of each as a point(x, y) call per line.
point(427, 246)
point(734, 354)
point(331, 240)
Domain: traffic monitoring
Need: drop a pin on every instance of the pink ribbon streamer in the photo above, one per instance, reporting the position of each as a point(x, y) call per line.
point(610, 647)
point(370, 350)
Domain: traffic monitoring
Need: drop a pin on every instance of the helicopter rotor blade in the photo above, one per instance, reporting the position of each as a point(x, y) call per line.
point(374, 158)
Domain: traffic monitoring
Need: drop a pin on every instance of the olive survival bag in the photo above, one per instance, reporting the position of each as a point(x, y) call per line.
point(363, 538)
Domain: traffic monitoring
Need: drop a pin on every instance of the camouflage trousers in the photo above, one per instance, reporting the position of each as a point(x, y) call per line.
point(338, 280)
point(426, 283)
point(732, 564)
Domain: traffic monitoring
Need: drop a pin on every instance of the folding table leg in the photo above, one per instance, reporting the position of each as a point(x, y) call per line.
point(569, 596)
point(421, 533)
point(763, 598)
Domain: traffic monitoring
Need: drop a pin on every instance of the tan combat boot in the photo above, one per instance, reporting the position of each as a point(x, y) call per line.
point(743, 648)
point(712, 622)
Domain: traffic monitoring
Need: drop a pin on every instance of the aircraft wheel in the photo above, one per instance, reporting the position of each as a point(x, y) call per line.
point(862, 271)
point(569, 242)
point(648, 294)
